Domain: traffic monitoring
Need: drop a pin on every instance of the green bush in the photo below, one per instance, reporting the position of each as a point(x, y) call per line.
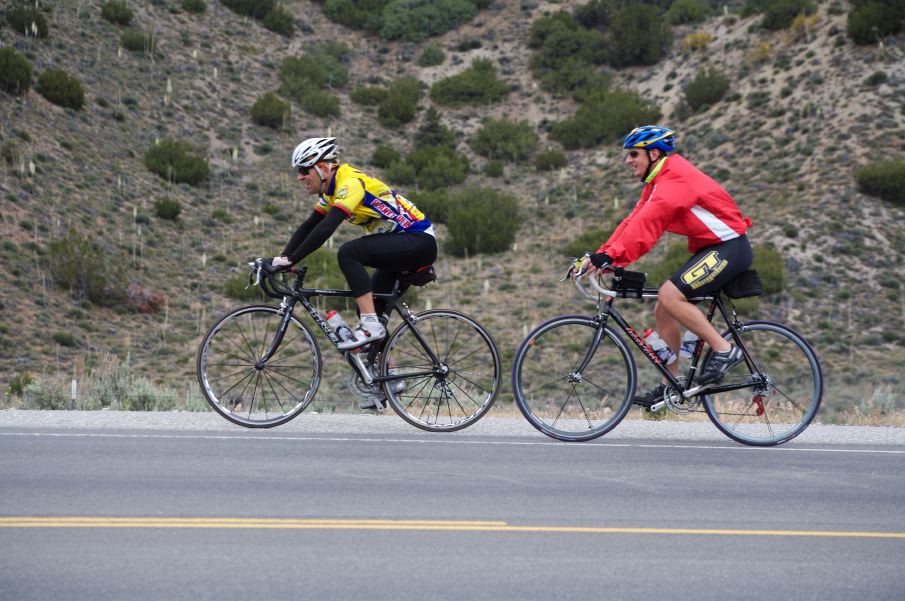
point(605, 116)
point(575, 78)
point(475, 85)
point(550, 160)
point(174, 160)
point(565, 44)
point(494, 169)
point(27, 20)
point(18, 383)
point(595, 14)
point(871, 20)
point(400, 103)
point(395, 110)
point(779, 14)
point(61, 88)
point(414, 20)
point(686, 11)
point(481, 221)
point(384, 156)
point(65, 339)
point(884, 179)
point(401, 173)
point(708, 87)
point(117, 12)
point(137, 40)
point(320, 103)
point(299, 74)
point(770, 267)
point(15, 72)
point(357, 14)
point(167, 208)
point(368, 95)
point(431, 56)
point(640, 36)
point(256, 9)
point(505, 140)
point(433, 203)
point(876, 78)
point(279, 20)
point(44, 395)
point(432, 132)
point(271, 111)
point(85, 268)
point(438, 166)
point(194, 6)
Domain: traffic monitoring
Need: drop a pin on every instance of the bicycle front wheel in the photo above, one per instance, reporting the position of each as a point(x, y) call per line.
point(561, 398)
point(452, 392)
point(243, 389)
point(784, 393)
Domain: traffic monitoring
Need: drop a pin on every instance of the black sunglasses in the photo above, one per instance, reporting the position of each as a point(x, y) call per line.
point(634, 153)
point(304, 170)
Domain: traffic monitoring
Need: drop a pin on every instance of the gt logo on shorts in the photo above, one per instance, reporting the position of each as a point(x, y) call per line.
point(704, 271)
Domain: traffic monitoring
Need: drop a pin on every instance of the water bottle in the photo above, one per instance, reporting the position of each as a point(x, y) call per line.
point(659, 346)
point(689, 342)
point(339, 325)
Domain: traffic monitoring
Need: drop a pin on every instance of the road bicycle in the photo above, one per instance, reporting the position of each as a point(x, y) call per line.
point(574, 377)
point(259, 366)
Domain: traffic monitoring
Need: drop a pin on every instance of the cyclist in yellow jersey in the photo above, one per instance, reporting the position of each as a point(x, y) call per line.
point(399, 236)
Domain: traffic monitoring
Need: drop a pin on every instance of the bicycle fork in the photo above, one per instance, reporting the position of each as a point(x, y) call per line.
point(286, 310)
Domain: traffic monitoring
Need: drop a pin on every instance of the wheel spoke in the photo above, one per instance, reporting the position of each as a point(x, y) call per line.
point(559, 401)
point(472, 377)
point(235, 387)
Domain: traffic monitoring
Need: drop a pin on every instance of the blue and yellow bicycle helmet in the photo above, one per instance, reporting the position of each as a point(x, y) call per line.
point(651, 136)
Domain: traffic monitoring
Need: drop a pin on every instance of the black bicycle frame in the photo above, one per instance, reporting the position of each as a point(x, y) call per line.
point(607, 310)
point(304, 295)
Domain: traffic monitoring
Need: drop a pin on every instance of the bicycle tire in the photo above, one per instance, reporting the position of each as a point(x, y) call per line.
point(782, 405)
point(561, 403)
point(456, 393)
point(252, 395)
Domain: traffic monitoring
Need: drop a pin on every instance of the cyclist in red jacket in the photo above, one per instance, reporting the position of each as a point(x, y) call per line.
point(680, 199)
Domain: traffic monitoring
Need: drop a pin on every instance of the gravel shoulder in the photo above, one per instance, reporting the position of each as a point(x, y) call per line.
point(390, 424)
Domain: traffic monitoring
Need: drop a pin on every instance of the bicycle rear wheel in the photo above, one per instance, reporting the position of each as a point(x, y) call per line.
point(785, 392)
point(449, 395)
point(243, 390)
point(555, 397)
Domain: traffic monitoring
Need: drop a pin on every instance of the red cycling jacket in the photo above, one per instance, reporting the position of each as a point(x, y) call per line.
point(680, 199)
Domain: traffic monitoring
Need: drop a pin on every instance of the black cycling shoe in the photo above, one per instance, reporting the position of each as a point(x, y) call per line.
point(719, 364)
point(654, 395)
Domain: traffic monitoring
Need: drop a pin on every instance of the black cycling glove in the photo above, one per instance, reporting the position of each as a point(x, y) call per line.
point(598, 260)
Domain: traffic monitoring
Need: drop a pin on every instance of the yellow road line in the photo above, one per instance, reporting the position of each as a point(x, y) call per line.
point(451, 525)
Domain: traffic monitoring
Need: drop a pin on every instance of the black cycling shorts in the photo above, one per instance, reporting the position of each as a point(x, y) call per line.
point(389, 254)
point(709, 269)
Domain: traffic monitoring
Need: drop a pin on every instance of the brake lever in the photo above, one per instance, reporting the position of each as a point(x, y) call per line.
point(254, 269)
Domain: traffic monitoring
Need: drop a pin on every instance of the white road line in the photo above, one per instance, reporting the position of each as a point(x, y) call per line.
point(439, 441)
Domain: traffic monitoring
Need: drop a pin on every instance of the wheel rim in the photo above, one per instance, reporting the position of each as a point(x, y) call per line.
point(559, 400)
point(785, 390)
point(453, 394)
point(250, 392)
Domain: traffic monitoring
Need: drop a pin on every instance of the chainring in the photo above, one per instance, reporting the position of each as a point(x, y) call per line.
point(677, 403)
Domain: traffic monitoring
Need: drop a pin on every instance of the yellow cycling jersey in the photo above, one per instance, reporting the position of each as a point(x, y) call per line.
point(371, 204)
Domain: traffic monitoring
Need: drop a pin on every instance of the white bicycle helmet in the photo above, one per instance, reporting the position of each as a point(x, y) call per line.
point(313, 151)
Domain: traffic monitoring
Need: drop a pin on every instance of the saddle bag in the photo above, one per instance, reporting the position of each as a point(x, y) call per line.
point(744, 285)
point(422, 277)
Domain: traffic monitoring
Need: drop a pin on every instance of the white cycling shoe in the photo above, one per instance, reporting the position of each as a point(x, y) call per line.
point(364, 334)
